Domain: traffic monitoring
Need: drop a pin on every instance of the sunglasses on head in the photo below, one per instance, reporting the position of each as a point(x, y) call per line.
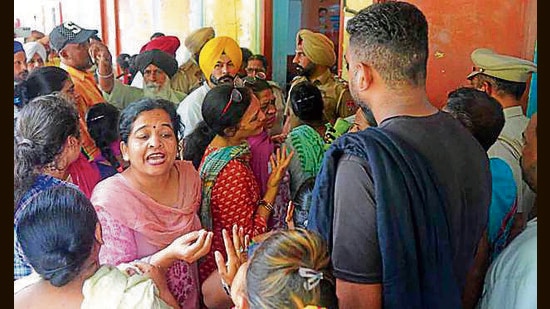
point(236, 95)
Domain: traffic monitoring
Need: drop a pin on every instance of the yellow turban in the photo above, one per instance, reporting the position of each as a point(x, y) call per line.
point(196, 39)
point(317, 47)
point(212, 51)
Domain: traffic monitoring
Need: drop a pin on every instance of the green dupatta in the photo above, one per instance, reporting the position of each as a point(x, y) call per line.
point(209, 170)
point(310, 148)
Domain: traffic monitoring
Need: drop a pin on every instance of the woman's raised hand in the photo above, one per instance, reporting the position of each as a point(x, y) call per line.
point(236, 254)
point(279, 163)
point(289, 218)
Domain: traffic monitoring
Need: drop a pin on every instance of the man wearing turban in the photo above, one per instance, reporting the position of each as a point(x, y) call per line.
point(314, 57)
point(189, 75)
point(19, 75)
point(36, 55)
point(219, 60)
point(20, 71)
point(156, 66)
point(166, 43)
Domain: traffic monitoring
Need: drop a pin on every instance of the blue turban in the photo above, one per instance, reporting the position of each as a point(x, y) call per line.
point(17, 47)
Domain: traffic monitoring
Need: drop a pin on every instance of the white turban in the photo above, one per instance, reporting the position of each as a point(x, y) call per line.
point(32, 48)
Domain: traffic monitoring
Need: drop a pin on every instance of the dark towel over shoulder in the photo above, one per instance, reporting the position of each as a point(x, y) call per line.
point(412, 228)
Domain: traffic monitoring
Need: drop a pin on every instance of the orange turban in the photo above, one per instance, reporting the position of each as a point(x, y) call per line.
point(317, 47)
point(212, 51)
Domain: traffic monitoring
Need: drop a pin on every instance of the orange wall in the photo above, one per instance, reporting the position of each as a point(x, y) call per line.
point(457, 28)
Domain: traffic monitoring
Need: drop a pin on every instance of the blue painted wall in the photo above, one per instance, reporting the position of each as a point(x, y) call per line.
point(532, 103)
point(286, 23)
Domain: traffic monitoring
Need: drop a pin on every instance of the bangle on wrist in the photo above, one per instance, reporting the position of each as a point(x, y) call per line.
point(266, 205)
point(104, 76)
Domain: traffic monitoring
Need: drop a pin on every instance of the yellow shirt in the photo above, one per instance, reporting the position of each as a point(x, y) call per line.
point(55, 62)
point(87, 94)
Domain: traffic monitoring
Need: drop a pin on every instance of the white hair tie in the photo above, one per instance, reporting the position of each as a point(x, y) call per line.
point(312, 277)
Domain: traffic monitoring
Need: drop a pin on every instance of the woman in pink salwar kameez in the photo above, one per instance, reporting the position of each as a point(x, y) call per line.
point(149, 211)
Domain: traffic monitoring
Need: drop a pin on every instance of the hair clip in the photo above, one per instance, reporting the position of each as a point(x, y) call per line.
point(313, 277)
point(96, 118)
point(305, 99)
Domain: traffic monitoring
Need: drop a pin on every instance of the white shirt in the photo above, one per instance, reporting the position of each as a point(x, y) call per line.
point(190, 109)
point(511, 281)
point(138, 80)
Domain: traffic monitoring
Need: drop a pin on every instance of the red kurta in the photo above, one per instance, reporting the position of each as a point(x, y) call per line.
point(234, 200)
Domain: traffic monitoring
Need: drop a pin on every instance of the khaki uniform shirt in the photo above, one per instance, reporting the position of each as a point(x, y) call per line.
point(187, 78)
point(337, 99)
point(508, 147)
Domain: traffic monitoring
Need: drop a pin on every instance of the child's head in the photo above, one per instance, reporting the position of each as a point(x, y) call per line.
point(102, 123)
point(307, 102)
point(290, 269)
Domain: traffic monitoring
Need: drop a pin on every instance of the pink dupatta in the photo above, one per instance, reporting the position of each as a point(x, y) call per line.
point(261, 148)
point(159, 224)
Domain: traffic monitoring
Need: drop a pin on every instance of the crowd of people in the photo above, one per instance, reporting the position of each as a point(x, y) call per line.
point(207, 185)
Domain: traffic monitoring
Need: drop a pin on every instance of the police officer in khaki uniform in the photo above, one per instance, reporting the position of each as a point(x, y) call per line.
point(189, 75)
point(505, 79)
point(314, 57)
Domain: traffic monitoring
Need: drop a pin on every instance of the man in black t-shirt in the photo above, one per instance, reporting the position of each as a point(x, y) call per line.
point(387, 58)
